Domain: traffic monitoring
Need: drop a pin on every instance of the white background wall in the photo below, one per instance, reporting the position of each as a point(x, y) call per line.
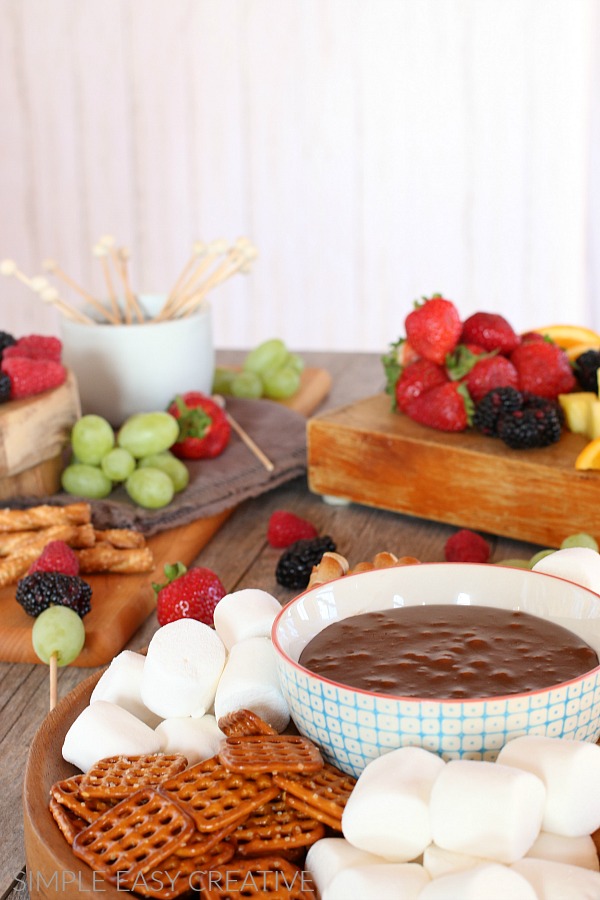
point(373, 150)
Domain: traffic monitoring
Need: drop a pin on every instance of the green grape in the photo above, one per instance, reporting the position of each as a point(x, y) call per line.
point(541, 554)
point(58, 630)
point(222, 380)
point(146, 433)
point(281, 383)
point(296, 362)
point(91, 439)
point(271, 354)
point(177, 471)
point(150, 488)
point(118, 464)
point(248, 385)
point(580, 540)
point(86, 481)
point(514, 563)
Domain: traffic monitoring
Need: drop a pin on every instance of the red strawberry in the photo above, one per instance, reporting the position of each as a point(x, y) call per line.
point(286, 528)
point(543, 369)
point(204, 429)
point(491, 331)
point(188, 594)
point(489, 373)
point(32, 376)
point(35, 346)
point(466, 546)
point(447, 407)
point(56, 556)
point(433, 328)
point(416, 379)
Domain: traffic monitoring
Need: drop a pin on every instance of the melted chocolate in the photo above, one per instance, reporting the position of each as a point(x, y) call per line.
point(447, 651)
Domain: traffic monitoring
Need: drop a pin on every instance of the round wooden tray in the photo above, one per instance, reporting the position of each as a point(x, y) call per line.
point(52, 868)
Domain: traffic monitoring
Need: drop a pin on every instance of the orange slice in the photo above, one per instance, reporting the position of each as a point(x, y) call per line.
point(569, 335)
point(589, 458)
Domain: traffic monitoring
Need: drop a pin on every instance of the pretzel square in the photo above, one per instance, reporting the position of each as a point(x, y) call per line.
point(244, 721)
point(309, 810)
point(270, 753)
point(325, 793)
point(275, 827)
point(216, 798)
point(134, 836)
point(68, 822)
point(271, 877)
point(67, 793)
point(176, 876)
point(116, 777)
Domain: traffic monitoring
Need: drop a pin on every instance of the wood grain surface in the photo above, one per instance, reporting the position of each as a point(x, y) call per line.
point(120, 603)
point(367, 454)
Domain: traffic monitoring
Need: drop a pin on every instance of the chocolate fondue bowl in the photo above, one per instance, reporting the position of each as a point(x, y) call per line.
point(352, 726)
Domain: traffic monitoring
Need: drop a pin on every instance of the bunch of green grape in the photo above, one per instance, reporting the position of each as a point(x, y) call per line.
point(269, 370)
point(137, 456)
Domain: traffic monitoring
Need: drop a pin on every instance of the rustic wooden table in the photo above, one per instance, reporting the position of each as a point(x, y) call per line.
point(241, 556)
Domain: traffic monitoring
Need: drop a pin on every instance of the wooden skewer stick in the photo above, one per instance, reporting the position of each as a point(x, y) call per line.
point(213, 251)
point(53, 663)
point(108, 242)
point(123, 255)
point(50, 265)
point(50, 295)
point(239, 260)
point(247, 440)
point(101, 253)
point(199, 249)
point(8, 267)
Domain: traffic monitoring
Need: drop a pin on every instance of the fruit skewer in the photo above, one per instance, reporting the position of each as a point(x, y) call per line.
point(50, 265)
point(238, 259)
point(245, 437)
point(101, 252)
point(178, 298)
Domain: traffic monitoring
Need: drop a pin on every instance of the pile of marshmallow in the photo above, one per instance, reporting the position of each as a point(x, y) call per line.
point(171, 699)
point(419, 828)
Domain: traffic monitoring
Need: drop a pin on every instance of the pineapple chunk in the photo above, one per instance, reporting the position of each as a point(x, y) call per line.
point(577, 409)
point(594, 422)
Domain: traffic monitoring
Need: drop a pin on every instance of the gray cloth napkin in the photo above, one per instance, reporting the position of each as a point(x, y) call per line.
point(215, 484)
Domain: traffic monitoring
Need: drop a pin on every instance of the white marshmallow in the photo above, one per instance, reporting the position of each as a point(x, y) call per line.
point(386, 881)
point(245, 614)
point(120, 684)
point(250, 681)
point(440, 862)
point(387, 813)
point(578, 564)
point(569, 769)
point(182, 668)
point(557, 881)
point(574, 851)
point(488, 881)
point(104, 729)
point(486, 809)
point(197, 739)
point(329, 856)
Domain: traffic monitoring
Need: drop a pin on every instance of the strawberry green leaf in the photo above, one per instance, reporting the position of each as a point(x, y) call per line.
point(393, 368)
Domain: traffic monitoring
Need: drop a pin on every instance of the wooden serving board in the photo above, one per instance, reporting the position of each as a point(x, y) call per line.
point(121, 603)
point(367, 454)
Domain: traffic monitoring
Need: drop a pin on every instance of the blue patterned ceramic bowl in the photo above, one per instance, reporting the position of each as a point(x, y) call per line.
point(353, 726)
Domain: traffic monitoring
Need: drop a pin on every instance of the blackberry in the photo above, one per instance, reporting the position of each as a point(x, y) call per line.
point(296, 563)
point(537, 424)
point(6, 340)
point(5, 387)
point(494, 406)
point(585, 369)
point(38, 591)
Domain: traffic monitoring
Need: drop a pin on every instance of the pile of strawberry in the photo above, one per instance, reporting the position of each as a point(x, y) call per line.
point(29, 365)
point(445, 369)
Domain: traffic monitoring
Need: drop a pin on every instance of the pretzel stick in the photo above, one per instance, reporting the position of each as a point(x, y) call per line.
point(13, 567)
point(103, 557)
point(124, 538)
point(20, 541)
point(44, 515)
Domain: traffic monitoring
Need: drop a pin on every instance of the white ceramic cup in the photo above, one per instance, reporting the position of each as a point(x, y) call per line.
point(126, 369)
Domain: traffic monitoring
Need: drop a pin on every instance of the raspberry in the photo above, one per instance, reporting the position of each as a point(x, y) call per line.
point(286, 528)
point(32, 376)
point(56, 556)
point(38, 591)
point(296, 563)
point(35, 346)
point(466, 546)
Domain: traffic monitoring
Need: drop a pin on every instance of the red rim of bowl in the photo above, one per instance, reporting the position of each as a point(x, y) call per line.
point(445, 700)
